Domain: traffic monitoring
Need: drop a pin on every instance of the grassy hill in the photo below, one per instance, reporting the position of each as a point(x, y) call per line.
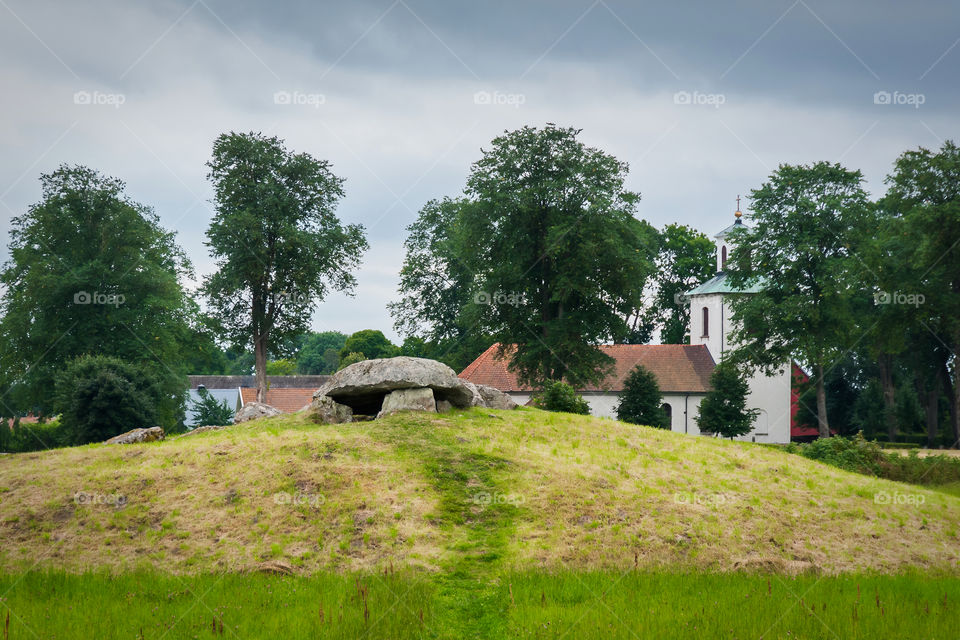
point(461, 492)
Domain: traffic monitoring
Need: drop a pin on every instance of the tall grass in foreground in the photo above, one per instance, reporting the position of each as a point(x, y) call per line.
point(528, 605)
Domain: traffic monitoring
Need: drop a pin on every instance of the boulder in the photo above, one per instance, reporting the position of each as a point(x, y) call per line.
point(363, 385)
point(493, 398)
point(408, 400)
point(138, 435)
point(326, 410)
point(255, 410)
point(203, 429)
point(443, 406)
point(476, 400)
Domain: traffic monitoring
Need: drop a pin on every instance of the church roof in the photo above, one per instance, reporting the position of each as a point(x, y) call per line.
point(738, 224)
point(720, 283)
point(679, 368)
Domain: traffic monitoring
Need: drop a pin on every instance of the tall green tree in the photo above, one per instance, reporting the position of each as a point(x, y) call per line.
point(279, 246)
point(91, 272)
point(549, 235)
point(685, 259)
point(723, 410)
point(436, 286)
point(925, 188)
point(806, 222)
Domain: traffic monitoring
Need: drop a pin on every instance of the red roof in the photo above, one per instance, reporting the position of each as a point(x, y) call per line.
point(679, 368)
point(287, 400)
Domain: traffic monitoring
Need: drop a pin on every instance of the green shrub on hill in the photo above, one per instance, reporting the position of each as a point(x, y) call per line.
point(559, 396)
point(99, 397)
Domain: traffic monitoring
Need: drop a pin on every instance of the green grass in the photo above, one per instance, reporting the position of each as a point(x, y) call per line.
point(525, 605)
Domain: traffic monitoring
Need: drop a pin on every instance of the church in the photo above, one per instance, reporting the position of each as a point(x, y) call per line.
point(682, 371)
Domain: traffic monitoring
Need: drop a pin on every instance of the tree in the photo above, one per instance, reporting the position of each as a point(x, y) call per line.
point(559, 396)
point(686, 258)
point(208, 410)
point(925, 188)
point(279, 246)
point(281, 367)
point(351, 358)
point(371, 343)
point(641, 401)
point(312, 359)
point(723, 410)
point(807, 219)
point(91, 272)
point(99, 397)
point(559, 264)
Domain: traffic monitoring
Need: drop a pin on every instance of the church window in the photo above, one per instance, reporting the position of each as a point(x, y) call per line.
point(706, 322)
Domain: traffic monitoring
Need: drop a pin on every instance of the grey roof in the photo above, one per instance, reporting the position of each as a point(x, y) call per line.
point(720, 283)
point(273, 382)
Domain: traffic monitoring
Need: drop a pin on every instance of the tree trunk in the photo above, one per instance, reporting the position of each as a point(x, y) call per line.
point(955, 417)
point(885, 364)
point(932, 411)
point(260, 365)
point(948, 387)
point(822, 424)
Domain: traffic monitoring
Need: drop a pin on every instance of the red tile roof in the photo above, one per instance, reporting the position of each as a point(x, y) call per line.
point(679, 368)
point(287, 400)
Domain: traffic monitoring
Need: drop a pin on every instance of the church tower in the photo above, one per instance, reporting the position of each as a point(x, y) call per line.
point(712, 322)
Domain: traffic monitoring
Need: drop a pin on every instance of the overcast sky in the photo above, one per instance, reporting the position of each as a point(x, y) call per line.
point(702, 99)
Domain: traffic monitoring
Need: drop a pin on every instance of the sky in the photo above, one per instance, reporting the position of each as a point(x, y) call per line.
point(702, 99)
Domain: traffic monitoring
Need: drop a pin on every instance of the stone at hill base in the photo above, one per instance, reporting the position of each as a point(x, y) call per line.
point(254, 411)
point(408, 400)
point(138, 435)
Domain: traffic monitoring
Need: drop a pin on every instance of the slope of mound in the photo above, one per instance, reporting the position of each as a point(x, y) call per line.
point(513, 489)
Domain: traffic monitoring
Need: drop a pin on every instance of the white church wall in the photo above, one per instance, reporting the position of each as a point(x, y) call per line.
point(683, 407)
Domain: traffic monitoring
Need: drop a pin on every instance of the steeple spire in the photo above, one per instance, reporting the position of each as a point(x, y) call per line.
point(738, 213)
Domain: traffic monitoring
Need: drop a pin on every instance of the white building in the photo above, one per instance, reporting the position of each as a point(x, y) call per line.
point(682, 371)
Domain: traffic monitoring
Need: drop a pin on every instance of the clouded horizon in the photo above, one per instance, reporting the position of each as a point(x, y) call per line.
point(702, 100)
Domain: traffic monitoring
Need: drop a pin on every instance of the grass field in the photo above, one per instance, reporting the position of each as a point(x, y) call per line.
point(531, 605)
point(484, 523)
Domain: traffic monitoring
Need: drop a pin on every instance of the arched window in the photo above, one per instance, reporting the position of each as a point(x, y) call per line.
point(706, 322)
point(668, 410)
point(723, 257)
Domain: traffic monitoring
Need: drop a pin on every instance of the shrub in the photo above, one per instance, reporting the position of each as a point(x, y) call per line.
point(99, 397)
point(208, 410)
point(641, 401)
point(32, 436)
point(559, 396)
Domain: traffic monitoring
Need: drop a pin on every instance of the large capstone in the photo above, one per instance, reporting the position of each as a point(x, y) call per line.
point(255, 411)
point(364, 385)
point(136, 436)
